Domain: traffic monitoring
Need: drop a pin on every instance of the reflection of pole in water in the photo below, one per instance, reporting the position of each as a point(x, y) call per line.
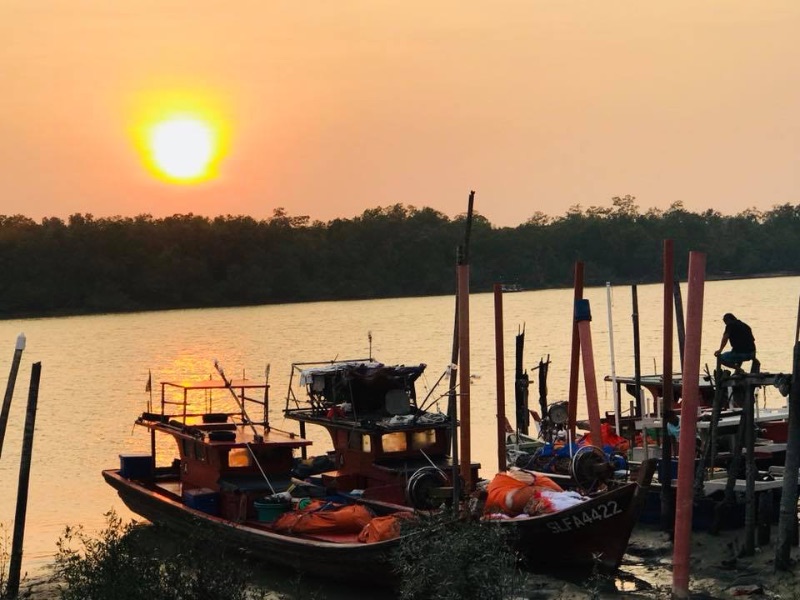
point(12, 586)
point(12, 379)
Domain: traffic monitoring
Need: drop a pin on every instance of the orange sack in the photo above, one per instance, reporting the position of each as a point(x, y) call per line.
point(509, 492)
point(347, 519)
point(380, 529)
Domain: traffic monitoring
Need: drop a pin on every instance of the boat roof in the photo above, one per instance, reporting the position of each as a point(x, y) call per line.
point(244, 435)
point(361, 369)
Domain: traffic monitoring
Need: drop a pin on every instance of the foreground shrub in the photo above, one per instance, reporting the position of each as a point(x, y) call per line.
point(456, 559)
point(126, 563)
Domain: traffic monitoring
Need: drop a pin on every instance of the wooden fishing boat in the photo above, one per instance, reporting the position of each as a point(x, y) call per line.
point(589, 537)
point(233, 478)
point(338, 556)
point(396, 450)
point(229, 470)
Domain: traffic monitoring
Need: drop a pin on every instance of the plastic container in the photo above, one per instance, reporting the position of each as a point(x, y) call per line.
point(203, 499)
point(269, 511)
point(136, 466)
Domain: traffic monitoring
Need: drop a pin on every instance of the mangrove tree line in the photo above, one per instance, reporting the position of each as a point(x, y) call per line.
point(88, 265)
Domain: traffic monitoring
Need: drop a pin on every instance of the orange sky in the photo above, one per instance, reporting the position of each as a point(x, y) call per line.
point(335, 107)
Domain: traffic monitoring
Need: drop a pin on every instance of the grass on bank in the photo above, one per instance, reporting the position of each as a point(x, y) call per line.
point(446, 559)
point(457, 559)
point(122, 563)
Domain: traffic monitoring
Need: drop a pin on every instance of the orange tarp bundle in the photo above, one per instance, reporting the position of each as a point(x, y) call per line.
point(347, 519)
point(380, 529)
point(511, 491)
point(610, 438)
point(640, 442)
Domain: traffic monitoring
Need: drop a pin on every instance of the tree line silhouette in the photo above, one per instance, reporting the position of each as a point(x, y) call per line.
point(89, 265)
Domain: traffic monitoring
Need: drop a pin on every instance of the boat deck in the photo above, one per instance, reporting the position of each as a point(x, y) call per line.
point(174, 490)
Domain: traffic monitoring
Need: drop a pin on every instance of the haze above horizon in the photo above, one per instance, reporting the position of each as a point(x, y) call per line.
point(329, 109)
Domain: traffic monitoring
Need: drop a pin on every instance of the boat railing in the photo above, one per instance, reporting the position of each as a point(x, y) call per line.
point(182, 395)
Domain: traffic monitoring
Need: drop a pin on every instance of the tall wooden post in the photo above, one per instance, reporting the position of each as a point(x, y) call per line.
point(15, 564)
point(464, 375)
point(12, 379)
point(614, 386)
point(500, 367)
point(787, 519)
point(665, 476)
point(691, 402)
point(583, 317)
point(462, 258)
point(637, 360)
point(750, 467)
point(572, 398)
point(679, 322)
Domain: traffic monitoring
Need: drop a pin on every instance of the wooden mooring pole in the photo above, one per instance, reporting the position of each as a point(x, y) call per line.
point(575, 356)
point(500, 366)
point(665, 474)
point(679, 323)
point(15, 564)
point(583, 317)
point(787, 520)
point(464, 376)
point(12, 379)
point(637, 362)
point(462, 257)
point(691, 401)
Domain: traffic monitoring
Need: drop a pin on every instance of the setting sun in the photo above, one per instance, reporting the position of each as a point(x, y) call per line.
point(182, 148)
point(181, 135)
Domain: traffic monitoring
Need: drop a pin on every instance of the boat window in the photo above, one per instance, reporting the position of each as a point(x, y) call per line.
point(423, 439)
point(394, 442)
point(238, 457)
point(366, 443)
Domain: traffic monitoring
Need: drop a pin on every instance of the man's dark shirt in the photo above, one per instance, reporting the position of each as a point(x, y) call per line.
point(740, 336)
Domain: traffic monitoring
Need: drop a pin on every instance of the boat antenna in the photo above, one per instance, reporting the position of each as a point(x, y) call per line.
point(369, 337)
point(256, 436)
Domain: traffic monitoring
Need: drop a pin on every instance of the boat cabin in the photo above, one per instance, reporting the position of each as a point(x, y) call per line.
point(228, 455)
point(382, 433)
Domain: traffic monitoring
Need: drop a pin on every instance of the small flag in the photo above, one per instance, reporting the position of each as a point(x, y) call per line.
point(149, 386)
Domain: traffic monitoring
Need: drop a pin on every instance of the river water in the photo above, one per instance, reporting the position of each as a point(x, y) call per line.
point(95, 368)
